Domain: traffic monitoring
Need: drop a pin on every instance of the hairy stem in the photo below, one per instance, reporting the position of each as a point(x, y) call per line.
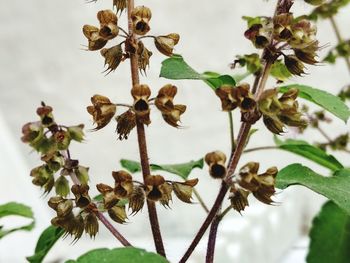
point(340, 39)
point(152, 212)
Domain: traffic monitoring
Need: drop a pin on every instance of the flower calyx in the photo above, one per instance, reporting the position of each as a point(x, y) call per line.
point(102, 110)
point(216, 162)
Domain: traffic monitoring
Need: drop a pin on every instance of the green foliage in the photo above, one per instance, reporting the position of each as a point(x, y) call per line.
point(175, 67)
point(16, 209)
point(279, 71)
point(119, 255)
point(183, 169)
point(329, 102)
point(310, 152)
point(335, 188)
point(330, 236)
point(45, 242)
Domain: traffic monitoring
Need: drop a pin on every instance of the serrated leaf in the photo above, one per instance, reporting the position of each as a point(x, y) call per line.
point(120, 255)
point(16, 209)
point(175, 67)
point(335, 188)
point(310, 152)
point(183, 169)
point(45, 242)
point(330, 236)
point(329, 102)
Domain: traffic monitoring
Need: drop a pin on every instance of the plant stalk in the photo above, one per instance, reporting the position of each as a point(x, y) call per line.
point(141, 137)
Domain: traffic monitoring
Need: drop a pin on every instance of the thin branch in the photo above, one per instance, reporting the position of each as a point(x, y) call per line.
point(200, 200)
point(141, 137)
point(223, 213)
point(324, 134)
point(260, 148)
point(339, 38)
point(232, 132)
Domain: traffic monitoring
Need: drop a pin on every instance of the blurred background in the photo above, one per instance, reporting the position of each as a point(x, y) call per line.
point(42, 58)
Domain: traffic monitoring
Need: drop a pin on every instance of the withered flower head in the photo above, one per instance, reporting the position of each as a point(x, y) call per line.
point(123, 184)
point(144, 56)
point(45, 114)
point(137, 199)
point(173, 117)
point(140, 17)
point(126, 122)
point(260, 34)
point(282, 26)
point(96, 42)
point(216, 161)
point(82, 198)
point(306, 57)
point(165, 44)
point(157, 188)
point(304, 33)
point(120, 5)
point(118, 214)
point(64, 208)
point(141, 93)
point(238, 198)
point(165, 97)
point(113, 56)
point(109, 197)
point(108, 24)
point(102, 110)
point(294, 65)
point(54, 201)
point(32, 132)
point(91, 225)
point(184, 190)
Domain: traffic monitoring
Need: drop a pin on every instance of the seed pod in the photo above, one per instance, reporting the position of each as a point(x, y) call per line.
point(91, 225)
point(137, 200)
point(228, 96)
point(76, 132)
point(143, 57)
point(282, 26)
point(247, 175)
point(140, 17)
point(62, 186)
point(108, 24)
point(165, 97)
point(184, 190)
point(216, 161)
point(141, 93)
point(96, 42)
point(126, 123)
point(123, 184)
point(158, 189)
point(64, 208)
point(102, 110)
point(165, 44)
point(238, 198)
point(118, 214)
point(113, 56)
point(120, 5)
point(82, 198)
point(109, 197)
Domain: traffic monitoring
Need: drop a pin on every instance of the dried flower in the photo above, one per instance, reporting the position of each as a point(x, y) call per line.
point(144, 56)
point(140, 17)
point(123, 184)
point(96, 42)
point(238, 198)
point(109, 197)
point(141, 93)
point(157, 189)
point(165, 44)
point(120, 5)
point(294, 65)
point(108, 24)
point(91, 225)
point(102, 110)
point(137, 199)
point(118, 214)
point(81, 193)
point(126, 122)
point(113, 56)
point(184, 190)
point(216, 161)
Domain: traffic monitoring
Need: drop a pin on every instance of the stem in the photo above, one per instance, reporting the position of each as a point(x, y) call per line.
point(232, 132)
point(111, 228)
point(200, 200)
point(227, 209)
point(261, 148)
point(324, 134)
point(212, 240)
point(339, 38)
point(141, 137)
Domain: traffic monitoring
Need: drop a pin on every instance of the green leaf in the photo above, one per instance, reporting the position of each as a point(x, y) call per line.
point(119, 255)
point(335, 188)
point(175, 67)
point(45, 242)
point(279, 71)
point(329, 102)
point(310, 152)
point(16, 209)
point(183, 169)
point(330, 236)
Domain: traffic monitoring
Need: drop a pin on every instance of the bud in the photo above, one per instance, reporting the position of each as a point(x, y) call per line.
point(126, 122)
point(120, 5)
point(216, 161)
point(82, 174)
point(141, 93)
point(102, 110)
point(165, 44)
point(96, 42)
point(82, 198)
point(184, 190)
point(294, 65)
point(238, 198)
point(62, 186)
point(108, 24)
point(76, 132)
point(143, 57)
point(91, 225)
point(118, 214)
point(113, 56)
point(123, 184)
point(140, 17)
point(137, 200)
